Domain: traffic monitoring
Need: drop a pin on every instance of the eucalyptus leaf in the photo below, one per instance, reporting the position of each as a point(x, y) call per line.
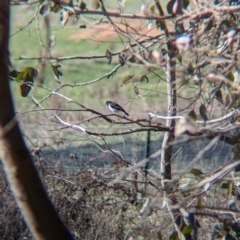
point(185, 4)
point(127, 79)
point(236, 228)
point(209, 26)
point(236, 150)
point(109, 56)
point(170, 6)
point(227, 225)
point(95, 4)
point(122, 58)
point(203, 112)
point(159, 235)
point(136, 90)
point(174, 236)
point(190, 69)
point(13, 74)
point(64, 16)
point(57, 72)
point(187, 230)
point(83, 5)
point(228, 236)
point(196, 171)
point(26, 86)
point(55, 7)
point(192, 114)
point(218, 96)
point(144, 78)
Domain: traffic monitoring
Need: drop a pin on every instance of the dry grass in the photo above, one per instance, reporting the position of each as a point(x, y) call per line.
point(94, 208)
point(87, 204)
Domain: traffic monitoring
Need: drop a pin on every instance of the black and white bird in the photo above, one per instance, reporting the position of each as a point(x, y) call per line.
point(115, 108)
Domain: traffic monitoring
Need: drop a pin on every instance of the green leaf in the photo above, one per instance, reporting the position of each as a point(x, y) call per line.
point(174, 236)
point(152, 9)
point(21, 76)
point(187, 230)
point(200, 202)
point(127, 79)
point(27, 72)
point(230, 76)
point(32, 72)
point(26, 76)
point(159, 235)
point(196, 172)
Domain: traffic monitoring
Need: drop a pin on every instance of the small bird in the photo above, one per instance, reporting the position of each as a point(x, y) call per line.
point(115, 108)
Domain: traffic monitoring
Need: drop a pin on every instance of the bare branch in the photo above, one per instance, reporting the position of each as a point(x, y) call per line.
point(221, 119)
point(68, 125)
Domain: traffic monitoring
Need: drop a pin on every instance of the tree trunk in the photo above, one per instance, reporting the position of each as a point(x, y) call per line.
point(166, 154)
point(25, 183)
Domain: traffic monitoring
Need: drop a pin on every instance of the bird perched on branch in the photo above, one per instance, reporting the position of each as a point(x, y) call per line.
point(115, 108)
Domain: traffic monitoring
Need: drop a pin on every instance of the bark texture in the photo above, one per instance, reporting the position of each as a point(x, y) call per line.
point(166, 155)
point(38, 211)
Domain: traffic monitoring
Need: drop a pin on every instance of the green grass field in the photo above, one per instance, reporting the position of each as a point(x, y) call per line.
point(69, 42)
point(27, 43)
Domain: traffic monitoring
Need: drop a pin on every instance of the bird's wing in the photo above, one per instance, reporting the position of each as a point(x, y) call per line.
point(118, 107)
